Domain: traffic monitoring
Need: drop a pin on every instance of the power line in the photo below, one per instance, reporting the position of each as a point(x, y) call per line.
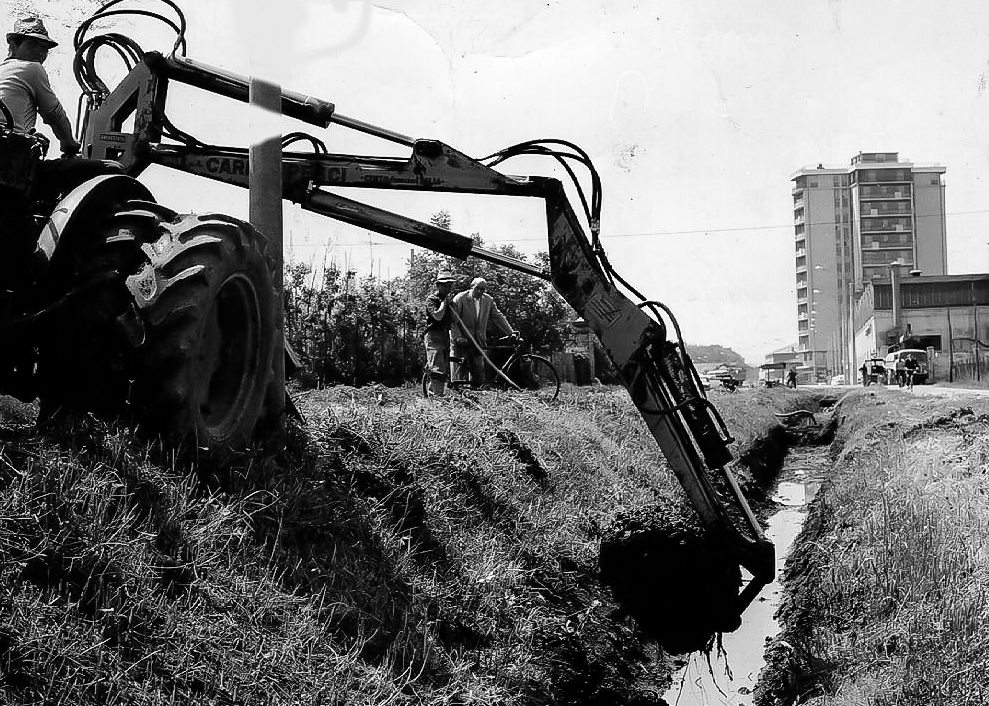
point(736, 229)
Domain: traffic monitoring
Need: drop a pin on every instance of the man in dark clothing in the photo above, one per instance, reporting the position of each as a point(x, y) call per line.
point(910, 366)
point(791, 379)
point(437, 335)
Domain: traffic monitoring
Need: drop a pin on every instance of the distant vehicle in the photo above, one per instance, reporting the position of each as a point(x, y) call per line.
point(918, 354)
point(838, 379)
point(872, 370)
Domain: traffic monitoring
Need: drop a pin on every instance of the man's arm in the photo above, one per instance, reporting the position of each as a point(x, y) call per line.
point(500, 321)
point(51, 110)
point(456, 328)
point(436, 308)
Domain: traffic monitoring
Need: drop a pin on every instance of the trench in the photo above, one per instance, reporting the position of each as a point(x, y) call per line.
point(728, 676)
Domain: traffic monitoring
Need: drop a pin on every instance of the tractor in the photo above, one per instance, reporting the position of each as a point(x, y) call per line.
point(126, 309)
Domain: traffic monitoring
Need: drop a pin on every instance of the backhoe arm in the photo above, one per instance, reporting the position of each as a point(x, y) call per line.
point(653, 365)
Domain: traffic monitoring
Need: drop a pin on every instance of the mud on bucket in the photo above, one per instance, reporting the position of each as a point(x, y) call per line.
point(679, 584)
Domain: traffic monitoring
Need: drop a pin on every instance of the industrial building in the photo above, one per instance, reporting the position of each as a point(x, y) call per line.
point(948, 315)
point(850, 223)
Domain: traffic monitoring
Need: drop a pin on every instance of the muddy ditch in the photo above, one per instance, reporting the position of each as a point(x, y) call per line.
point(679, 584)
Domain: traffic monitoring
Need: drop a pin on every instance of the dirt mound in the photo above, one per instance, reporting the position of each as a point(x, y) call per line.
point(665, 571)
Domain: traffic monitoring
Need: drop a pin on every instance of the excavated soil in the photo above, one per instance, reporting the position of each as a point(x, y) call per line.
point(665, 569)
point(667, 573)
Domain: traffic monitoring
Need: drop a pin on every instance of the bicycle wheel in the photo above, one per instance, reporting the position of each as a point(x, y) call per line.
point(539, 377)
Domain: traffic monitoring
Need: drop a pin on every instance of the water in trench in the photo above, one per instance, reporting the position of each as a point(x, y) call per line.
point(728, 679)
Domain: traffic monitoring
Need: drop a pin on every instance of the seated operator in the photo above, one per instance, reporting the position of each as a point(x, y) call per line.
point(27, 93)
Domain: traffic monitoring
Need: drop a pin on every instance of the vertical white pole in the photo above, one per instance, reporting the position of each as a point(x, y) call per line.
point(265, 174)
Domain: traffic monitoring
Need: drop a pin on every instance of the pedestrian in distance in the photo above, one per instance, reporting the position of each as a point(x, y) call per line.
point(437, 333)
point(910, 366)
point(475, 309)
point(791, 378)
point(900, 371)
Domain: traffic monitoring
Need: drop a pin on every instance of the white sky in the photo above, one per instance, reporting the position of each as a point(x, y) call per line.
point(696, 113)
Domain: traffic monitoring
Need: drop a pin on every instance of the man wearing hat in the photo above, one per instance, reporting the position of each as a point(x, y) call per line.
point(437, 336)
point(474, 308)
point(27, 93)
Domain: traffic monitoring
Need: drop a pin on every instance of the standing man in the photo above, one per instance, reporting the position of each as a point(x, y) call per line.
point(437, 336)
point(901, 371)
point(910, 366)
point(27, 93)
point(475, 307)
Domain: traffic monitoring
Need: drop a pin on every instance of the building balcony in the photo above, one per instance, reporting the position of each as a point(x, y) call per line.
point(874, 229)
point(892, 193)
point(798, 203)
point(801, 301)
point(894, 196)
point(872, 247)
point(801, 252)
point(801, 268)
point(870, 210)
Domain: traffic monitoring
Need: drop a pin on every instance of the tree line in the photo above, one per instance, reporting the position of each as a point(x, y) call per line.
point(360, 330)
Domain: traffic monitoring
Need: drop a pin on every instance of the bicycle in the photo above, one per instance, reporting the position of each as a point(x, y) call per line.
point(526, 371)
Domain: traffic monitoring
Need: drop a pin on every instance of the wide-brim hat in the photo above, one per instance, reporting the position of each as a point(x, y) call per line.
point(33, 28)
point(445, 276)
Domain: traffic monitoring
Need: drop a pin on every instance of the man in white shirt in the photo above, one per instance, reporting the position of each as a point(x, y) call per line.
point(475, 308)
point(27, 93)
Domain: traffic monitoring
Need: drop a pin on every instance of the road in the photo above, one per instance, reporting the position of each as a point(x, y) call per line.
point(929, 390)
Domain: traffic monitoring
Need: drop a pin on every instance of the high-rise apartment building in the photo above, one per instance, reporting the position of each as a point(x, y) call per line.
point(851, 223)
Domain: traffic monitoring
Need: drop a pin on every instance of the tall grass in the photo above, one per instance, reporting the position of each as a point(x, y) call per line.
point(892, 583)
point(398, 552)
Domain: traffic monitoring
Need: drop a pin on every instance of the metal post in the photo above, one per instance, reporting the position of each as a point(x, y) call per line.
point(951, 349)
point(265, 180)
point(851, 326)
point(975, 326)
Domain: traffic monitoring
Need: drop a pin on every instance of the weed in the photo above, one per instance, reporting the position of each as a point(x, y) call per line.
point(888, 585)
point(397, 552)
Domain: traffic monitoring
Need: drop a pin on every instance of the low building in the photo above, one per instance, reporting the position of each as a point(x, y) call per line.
point(793, 359)
point(946, 314)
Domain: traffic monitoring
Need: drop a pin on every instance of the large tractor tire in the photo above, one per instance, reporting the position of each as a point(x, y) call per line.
point(190, 355)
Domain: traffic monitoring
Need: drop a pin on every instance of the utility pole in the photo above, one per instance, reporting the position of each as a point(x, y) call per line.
point(265, 184)
point(975, 326)
point(851, 327)
point(951, 349)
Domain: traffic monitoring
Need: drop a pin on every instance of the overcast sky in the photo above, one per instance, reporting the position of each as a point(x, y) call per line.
point(696, 114)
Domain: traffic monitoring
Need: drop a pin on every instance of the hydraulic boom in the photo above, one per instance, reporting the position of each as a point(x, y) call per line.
point(649, 357)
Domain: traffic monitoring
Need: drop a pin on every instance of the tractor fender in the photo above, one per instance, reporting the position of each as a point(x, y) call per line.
point(86, 203)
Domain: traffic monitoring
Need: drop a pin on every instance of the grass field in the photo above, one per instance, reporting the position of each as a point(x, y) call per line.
point(401, 551)
point(888, 587)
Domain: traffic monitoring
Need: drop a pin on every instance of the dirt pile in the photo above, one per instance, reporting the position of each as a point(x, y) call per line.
point(680, 586)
